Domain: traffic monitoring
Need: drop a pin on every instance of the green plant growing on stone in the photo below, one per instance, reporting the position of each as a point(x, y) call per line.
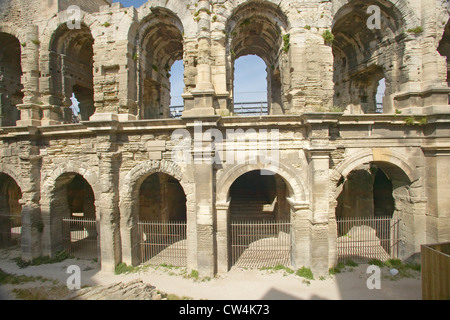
point(328, 37)
point(305, 273)
point(410, 121)
point(286, 42)
point(415, 30)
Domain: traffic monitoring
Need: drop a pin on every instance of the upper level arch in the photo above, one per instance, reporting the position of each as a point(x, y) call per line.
point(364, 52)
point(159, 42)
point(264, 33)
point(11, 88)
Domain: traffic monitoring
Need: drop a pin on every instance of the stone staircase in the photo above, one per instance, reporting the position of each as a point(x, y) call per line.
point(249, 202)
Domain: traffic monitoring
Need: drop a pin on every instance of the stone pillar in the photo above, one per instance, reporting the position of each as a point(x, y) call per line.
point(30, 109)
point(319, 165)
point(438, 195)
point(204, 198)
point(301, 235)
point(32, 224)
point(203, 94)
point(222, 236)
point(107, 207)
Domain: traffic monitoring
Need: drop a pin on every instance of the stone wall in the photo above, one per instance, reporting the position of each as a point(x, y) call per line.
point(321, 96)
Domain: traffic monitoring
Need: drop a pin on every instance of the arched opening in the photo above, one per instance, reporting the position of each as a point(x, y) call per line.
point(10, 212)
point(367, 192)
point(260, 221)
point(261, 33)
point(250, 85)
point(176, 89)
point(380, 95)
point(71, 67)
point(11, 87)
point(362, 56)
point(372, 200)
point(162, 221)
point(73, 216)
point(160, 44)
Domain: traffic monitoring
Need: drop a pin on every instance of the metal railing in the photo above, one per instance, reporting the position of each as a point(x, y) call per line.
point(259, 108)
point(80, 238)
point(364, 239)
point(258, 244)
point(163, 243)
point(251, 108)
point(10, 230)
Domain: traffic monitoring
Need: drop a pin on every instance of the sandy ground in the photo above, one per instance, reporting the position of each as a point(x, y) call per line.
point(238, 284)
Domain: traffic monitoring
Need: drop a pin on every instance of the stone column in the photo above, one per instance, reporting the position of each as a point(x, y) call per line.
point(319, 165)
point(204, 198)
point(30, 109)
point(301, 234)
point(107, 207)
point(438, 195)
point(32, 224)
point(203, 94)
point(223, 241)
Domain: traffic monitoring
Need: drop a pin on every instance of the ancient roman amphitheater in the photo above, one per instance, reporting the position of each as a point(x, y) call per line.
point(325, 172)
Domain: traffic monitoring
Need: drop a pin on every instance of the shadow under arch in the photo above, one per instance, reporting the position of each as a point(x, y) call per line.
point(297, 190)
point(10, 211)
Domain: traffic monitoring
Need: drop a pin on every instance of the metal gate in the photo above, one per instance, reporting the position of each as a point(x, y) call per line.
point(80, 238)
point(259, 244)
point(163, 243)
point(364, 239)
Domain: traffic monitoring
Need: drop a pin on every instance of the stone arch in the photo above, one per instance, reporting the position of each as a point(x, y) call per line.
point(53, 204)
point(140, 172)
point(362, 56)
point(13, 173)
point(90, 176)
point(129, 192)
point(374, 155)
point(402, 7)
point(159, 42)
point(263, 33)
point(13, 30)
point(407, 192)
point(297, 190)
point(69, 49)
point(11, 86)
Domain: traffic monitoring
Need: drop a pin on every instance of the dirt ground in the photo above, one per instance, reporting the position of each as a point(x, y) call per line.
point(238, 284)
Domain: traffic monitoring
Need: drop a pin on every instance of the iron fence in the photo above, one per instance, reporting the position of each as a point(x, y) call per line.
point(364, 239)
point(10, 230)
point(259, 244)
point(163, 243)
point(251, 109)
point(239, 109)
point(80, 238)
